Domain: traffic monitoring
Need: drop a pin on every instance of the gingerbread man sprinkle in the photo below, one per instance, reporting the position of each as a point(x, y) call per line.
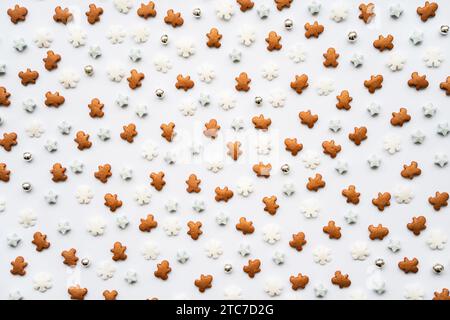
point(252, 268)
point(118, 252)
point(273, 41)
point(213, 38)
point(204, 282)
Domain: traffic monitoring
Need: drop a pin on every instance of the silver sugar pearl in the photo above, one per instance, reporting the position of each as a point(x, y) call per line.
point(285, 168)
point(26, 186)
point(85, 262)
point(159, 93)
point(438, 268)
point(258, 101)
point(288, 24)
point(197, 13)
point(164, 39)
point(352, 36)
point(27, 156)
point(444, 30)
point(89, 70)
point(1, 120)
point(228, 268)
point(379, 263)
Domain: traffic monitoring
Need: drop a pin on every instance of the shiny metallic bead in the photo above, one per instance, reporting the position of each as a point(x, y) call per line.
point(89, 70)
point(438, 268)
point(164, 39)
point(228, 268)
point(159, 93)
point(26, 186)
point(285, 168)
point(379, 263)
point(85, 262)
point(352, 36)
point(258, 101)
point(288, 24)
point(197, 13)
point(444, 29)
point(1, 121)
point(27, 156)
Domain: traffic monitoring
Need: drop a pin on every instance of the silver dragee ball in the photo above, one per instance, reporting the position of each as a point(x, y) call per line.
point(352, 36)
point(197, 13)
point(285, 168)
point(1, 120)
point(164, 39)
point(85, 262)
point(444, 30)
point(438, 268)
point(27, 156)
point(89, 70)
point(258, 101)
point(288, 24)
point(26, 186)
point(379, 263)
point(159, 93)
point(228, 268)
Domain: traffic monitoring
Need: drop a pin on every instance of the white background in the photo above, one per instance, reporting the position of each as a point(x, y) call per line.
point(285, 123)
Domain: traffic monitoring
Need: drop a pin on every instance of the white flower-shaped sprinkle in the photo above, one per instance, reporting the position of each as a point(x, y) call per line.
point(433, 57)
point(123, 6)
point(172, 226)
point(149, 150)
point(35, 129)
point(297, 53)
point(142, 195)
point(77, 36)
point(247, 36)
point(396, 62)
point(321, 255)
point(392, 144)
point(271, 233)
point(116, 34)
point(84, 194)
point(227, 101)
point(224, 10)
point(310, 159)
point(437, 239)
point(42, 281)
point(140, 34)
point(185, 48)
point(325, 86)
point(27, 218)
point(206, 73)
point(69, 78)
point(213, 249)
point(150, 250)
point(277, 98)
point(43, 38)
point(273, 287)
point(269, 71)
point(162, 63)
point(310, 208)
point(96, 226)
point(106, 270)
point(360, 251)
point(245, 186)
point(188, 108)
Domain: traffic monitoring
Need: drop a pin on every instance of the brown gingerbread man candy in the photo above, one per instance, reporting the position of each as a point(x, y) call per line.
point(252, 268)
point(300, 83)
point(374, 83)
point(40, 241)
point(242, 82)
point(331, 57)
point(408, 266)
point(384, 43)
point(28, 77)
point(344, 100)
point(246, 227)
point(399, 118)
point(313, 30)
point(261, 123)
point(173, 18)
point(418, 81)
point(331, 148)
point(341, 280)
point(112, 202)
point(358, 135)
point(58, 172)
point(234, 150)
point(333, 231)
point(82, 139)
point(4, 173)
point(299, 282)
point(54, 99)
point(298, 241)
point(366, 12)
point(162, 270)
point(168, 131)
point(77, 293)
point(307, 118)
point(148, 224)
point(262, 170)
point(17, 13)
point(351, 194)
point(110, 295)
point(94, 13)
point(157, 180)
point(51, 61)
point(410, 171)
point(245, 5)
point(129, 132)
point(135, 79)
point(62, 15)
point(417, 225)
point(118, 251)
point(194, 229)
point(103, 173)
point(439, 200)
point(8, 141)
point(316, 183)
point(223, 194)
point(18, 266)
point(445, 85)
point(443, 295)
point(70, 257)
point(4, 97)
point(96, 108)
point(271, 205)
point(282, 4)
point(184, 83)
point(273, 41)
point(204, 282)
point(147, 10)
point(427, 11)
point(293, 146)
point(213, 38)
point(378, 232)
point(193, 184)
point(211, 129)
point(382, 200)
